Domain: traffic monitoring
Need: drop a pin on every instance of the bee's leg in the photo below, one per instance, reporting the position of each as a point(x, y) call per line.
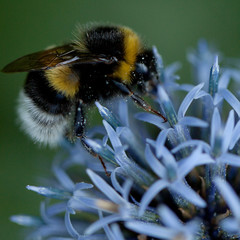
point(79, 125)
point(80, 120)
point(90, 150)
point(137, 99)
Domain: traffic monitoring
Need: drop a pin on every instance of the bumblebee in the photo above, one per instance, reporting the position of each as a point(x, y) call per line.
point(102, 62)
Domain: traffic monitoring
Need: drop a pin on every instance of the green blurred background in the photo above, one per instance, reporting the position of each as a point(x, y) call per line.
point(27, 26)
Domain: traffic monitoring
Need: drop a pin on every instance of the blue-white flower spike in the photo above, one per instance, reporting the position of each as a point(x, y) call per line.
point(26, 220)
point(214, 77)
point(167, 106)
point(108, 116)
point(193, 94)
point(152, 230)
point(140, 175)
point(50, 192)
point(105, 188)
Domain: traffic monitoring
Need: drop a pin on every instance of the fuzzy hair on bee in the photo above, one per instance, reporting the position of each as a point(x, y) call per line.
point(103, 61)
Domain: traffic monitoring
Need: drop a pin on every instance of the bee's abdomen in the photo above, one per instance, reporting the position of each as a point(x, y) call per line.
point(44, 113)
point(38, 88)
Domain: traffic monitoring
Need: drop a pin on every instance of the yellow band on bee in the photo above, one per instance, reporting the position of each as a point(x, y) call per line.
point(63, 80)
point(132, 47)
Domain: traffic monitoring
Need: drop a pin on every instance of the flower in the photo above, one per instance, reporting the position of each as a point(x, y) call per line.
point(178, 182)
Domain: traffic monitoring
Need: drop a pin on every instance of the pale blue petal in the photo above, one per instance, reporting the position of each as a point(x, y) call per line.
point(167, 107)
point(192, 122)
point(229, 196)
point(123, 113)
point(108, 116)
point(197, 158)
point(159, 64)
point(71, 230)
point(151, 118)
point(152, 230)
point(117, 232)
point(215, 126)
point(201, 94)
point(106, 228)
point(127, 188)
point(105, 140)
point(231, 99)
point(91, 203)
point(105, 188)
point(63, 178)
point(160, 142)
point(235, 136)
point(188, 100)
point(115, 141)
point(114, 180)
point(192, 143)
point(186, 87)
point(79, 204)
point(154, 163)
point(103, 222)
point(148, 196)
point(26, 220)
point(151, 142)
point(60, 238)
point(82, 186)
point(169, 218)
point(50, 192)
point(168, 159)
point(229, 158)
point(187, 193)
point(44, 213)
point(56, 208)
point(104, 151)
point(224, 79)
point(217, 99)
point(231, 225)
point(228, 130)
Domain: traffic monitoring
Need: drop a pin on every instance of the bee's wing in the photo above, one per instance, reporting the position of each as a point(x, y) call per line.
point(63, 55)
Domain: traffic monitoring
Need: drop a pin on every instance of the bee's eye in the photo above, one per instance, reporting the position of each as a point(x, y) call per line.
point(141, 68)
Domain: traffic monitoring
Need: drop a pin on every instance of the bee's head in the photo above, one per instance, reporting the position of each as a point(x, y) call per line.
point(146, 72)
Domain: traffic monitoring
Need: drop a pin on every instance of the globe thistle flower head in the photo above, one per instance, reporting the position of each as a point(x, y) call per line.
point(178, 182)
